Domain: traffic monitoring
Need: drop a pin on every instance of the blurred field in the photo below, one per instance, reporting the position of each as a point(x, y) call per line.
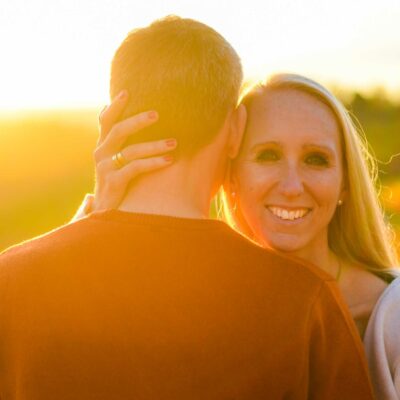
point(380, 120)
point(45, 169)
point(46, 164)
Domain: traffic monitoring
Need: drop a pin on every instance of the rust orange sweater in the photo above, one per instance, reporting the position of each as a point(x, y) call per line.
point(129, 306)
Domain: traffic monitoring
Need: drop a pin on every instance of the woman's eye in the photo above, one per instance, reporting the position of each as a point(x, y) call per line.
point(317, 160)
point(267, 155)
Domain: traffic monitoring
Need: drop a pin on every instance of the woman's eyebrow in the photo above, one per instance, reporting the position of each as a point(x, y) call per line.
point(314, 146)
point(261, 145)
point(308, 146)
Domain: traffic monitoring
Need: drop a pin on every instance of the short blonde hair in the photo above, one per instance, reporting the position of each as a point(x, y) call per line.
point(358, 231)
point(187, 72)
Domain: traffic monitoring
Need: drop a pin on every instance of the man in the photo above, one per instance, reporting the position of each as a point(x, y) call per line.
point(153, 300)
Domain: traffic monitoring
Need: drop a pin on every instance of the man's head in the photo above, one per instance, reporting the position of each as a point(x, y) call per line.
point(184, 70)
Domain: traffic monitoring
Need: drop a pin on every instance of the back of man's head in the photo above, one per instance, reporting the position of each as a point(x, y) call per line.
point(184, 70)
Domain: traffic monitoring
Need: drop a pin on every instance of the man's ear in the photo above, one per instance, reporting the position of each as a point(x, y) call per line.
point(237, 128)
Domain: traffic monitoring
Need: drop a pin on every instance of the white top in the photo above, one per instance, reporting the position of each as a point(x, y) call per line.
point(382, 343)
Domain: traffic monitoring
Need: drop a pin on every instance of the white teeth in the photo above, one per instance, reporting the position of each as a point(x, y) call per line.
point(288, 215)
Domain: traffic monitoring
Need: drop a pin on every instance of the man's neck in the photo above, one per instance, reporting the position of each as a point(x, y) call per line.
point(179, 191)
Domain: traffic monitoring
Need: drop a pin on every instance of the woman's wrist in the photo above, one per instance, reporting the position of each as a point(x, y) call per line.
point(85, 208)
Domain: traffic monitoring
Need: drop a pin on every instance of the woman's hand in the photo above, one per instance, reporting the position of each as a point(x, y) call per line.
point(116, 167)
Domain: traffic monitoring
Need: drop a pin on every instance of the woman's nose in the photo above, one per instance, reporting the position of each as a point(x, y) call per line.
point(291, 183)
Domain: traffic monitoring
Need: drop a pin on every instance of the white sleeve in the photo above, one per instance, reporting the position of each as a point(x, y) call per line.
point(382, 343)
point(396, 377)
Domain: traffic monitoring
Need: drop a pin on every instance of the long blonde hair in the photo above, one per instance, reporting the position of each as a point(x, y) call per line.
point(358, 231)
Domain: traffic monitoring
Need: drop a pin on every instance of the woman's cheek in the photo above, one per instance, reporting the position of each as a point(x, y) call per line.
point(326, 187)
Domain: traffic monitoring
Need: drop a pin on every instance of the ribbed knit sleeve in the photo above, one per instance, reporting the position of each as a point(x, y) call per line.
point(337, 361)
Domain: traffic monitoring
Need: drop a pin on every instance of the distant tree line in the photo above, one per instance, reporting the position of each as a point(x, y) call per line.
point(379, 118)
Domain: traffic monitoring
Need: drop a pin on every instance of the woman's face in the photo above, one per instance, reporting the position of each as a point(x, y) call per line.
point(288, 177)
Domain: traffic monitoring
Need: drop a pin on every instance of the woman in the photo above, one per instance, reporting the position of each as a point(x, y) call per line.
point(303, 184)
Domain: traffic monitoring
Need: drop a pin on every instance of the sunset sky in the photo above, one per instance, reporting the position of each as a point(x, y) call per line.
point(57, 53)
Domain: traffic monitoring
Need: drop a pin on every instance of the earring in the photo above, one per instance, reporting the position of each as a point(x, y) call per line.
point(339, 203)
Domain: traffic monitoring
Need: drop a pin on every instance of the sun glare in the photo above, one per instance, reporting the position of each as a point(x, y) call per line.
point(58, 55)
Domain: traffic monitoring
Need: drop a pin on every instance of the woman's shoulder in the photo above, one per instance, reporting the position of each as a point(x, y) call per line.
point(361, 287)
point(362, 290)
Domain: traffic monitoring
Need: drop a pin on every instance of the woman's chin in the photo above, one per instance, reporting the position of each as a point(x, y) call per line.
point(284, 243)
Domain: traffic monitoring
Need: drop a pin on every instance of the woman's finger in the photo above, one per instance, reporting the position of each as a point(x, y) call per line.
point(121, 131)
point(138, 167)
point(134, 152)
point(111, 113)
point(144, 150)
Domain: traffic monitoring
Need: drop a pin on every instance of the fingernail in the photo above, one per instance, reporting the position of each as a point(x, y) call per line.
point(123, 95)
point(170, 142)
point(168, 158)
point(152, 114)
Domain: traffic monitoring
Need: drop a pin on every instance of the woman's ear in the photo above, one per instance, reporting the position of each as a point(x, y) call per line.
point(237, 128)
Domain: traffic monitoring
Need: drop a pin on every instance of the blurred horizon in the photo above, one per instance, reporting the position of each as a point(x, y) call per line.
point(346, 94)
point(46, 162)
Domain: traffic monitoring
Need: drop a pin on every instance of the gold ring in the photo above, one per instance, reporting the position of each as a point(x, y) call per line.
point(118, 160)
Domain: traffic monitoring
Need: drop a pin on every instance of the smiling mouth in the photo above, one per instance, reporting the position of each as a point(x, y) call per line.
point(289, 215)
